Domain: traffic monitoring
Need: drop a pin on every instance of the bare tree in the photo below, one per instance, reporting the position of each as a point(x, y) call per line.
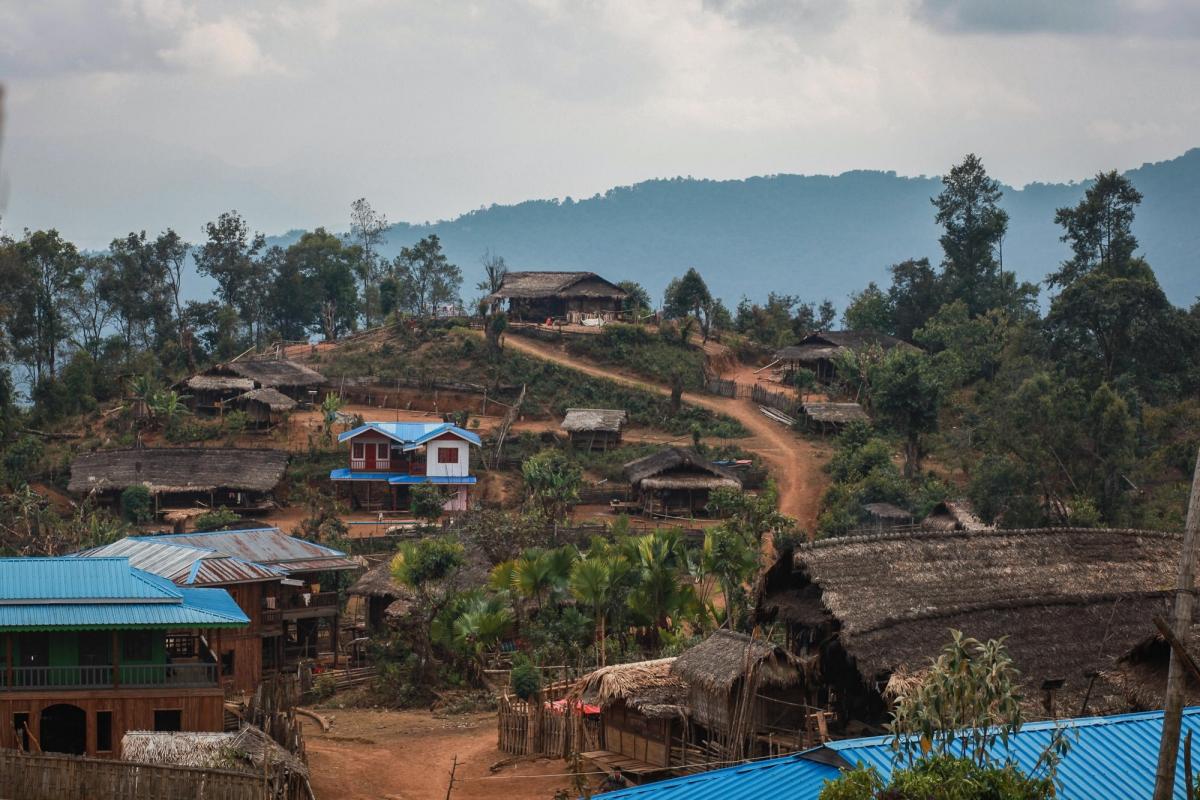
point(367, 230)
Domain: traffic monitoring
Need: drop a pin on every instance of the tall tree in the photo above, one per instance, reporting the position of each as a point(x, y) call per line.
point(136, 287)
point(43, 271)
point(424, 279)
point(1099, 229)
point(230, 256)
point(171, 252)
point(326, 265)
point(973, 228)
point(907, 393)
point(494, 270)
point(689, 296)
point(368, 232)
point(869, 310)
point(90, 308)
point(915, 296)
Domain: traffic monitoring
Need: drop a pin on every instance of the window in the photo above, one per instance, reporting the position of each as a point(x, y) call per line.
point(168, 719)
point(94, 648)
point(21, 726)
point(381, 452)
point(35, 649)
point(104, 731)
point(358, 451)
point(447, 455)
point(227, 663)
point(137, 646)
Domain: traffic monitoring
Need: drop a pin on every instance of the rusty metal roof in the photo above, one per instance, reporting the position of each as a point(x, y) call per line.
point(187, 565)
point(265, 546)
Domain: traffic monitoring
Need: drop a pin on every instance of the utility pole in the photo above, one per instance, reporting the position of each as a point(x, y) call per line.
point(1181, 622)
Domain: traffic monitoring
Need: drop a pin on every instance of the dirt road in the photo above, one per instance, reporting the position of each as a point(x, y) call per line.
point(406, 755)
point(795, 462)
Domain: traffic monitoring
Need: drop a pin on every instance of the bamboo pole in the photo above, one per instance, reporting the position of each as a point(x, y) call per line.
point(1185, 596)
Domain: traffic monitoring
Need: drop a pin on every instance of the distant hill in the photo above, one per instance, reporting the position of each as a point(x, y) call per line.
point(812, 236)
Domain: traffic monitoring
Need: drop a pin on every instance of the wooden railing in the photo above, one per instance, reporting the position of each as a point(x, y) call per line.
point(106, 677)
point(318, 600)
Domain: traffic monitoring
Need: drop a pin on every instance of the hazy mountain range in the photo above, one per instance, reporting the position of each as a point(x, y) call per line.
point(814, 236)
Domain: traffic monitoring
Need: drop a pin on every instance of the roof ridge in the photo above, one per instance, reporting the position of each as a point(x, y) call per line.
point(993, 532)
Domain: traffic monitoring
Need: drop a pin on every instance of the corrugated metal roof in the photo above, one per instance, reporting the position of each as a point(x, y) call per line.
point(344, 474)
point(69, 578)
point(70, 592)
point(412, 434)
point(1110, 758)
point(186, 564)
point(265, 546)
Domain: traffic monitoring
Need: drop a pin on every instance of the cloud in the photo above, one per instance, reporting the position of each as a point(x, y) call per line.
point(78, 37)
point(1171, 18)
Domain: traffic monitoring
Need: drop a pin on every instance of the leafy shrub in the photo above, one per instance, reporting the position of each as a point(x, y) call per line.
point(525, 679)
point(325, 686)
point(427, 501)
point(216, 519)
point(137, 505)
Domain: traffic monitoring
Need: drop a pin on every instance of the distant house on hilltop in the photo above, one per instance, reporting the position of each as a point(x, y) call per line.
point(817, 351)
point(237, 380)
point(572, 296)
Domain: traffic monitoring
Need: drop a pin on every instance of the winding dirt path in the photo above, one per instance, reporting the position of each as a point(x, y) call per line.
point(794, 462)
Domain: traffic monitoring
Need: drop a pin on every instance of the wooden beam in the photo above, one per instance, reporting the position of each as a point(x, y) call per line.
point(1178, 647)
point(116, 660)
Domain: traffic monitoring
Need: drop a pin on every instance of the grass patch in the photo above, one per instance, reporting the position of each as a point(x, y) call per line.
point(658, 357)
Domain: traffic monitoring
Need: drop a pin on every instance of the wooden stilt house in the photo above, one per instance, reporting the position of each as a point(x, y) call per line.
point(676, 482)
point(595, 428)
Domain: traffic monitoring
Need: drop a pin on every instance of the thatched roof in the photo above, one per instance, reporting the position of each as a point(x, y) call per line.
point(886, 511)
point(243, 751)
point(1142, 672)
point(536, 285)
point(378, 582)
point(178, 469)
point(836, 413)
point(679, 468)
point(218, 383)
point(954, 515)
point(271, 398)
point(607, 420)
point(725, 657)
point(268, 373)
point(818, 346)
point(1070, 601)
point(650, 687)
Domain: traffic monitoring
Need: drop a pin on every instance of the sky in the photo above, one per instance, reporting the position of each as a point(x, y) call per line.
point(144, 114)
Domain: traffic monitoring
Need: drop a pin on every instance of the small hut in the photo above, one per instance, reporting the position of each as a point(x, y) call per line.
point(266, 408)
point(384, 597)
point(676, 482)
point(825, 418)
point(595, 428)
point(642, 711)
point(210, 393)
point(738, 690)
point(215, 388)
point(247, 750)
point(570, 296)
point(819, 351)
point(954, 515)
point(882, 516)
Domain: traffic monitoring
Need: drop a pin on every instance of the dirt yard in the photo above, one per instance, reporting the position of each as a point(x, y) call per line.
point(406, 755)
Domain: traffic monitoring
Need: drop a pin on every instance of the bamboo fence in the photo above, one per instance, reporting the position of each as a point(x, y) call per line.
point(55, 777)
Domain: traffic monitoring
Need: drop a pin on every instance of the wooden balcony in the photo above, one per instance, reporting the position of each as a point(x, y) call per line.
point(131, 676)
point(321, 604)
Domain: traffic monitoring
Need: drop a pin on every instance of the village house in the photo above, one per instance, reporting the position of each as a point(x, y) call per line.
point(595, 428)
point(215, 389)
point(94, 647)
point(831, 418)
point(388, 458)
point(954, 515)
point(676, 482)
point(1075, 605)
point(274, 578)
point(817, 351)
point(240, 479)
point(559, 296)
point(384, 599)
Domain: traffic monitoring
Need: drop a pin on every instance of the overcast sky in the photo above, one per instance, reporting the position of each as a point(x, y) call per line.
point(155, 113)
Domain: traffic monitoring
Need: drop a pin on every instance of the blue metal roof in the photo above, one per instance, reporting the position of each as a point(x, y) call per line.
point(1111, 758)
point(412, 434)
point(106, 593)
point(69, 578)
point(344, 474)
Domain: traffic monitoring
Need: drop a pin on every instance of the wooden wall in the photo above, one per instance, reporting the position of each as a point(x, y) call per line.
point(629, 733)
point(246, 643)
point(132, 710)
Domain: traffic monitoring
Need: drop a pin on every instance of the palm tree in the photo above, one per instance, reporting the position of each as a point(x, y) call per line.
point(728, 557)
point(167, 405)
point(659, 594)
point(592, 583)
point(481, 626)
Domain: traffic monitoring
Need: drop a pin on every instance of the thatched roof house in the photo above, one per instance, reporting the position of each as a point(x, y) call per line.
point(818, 350)
point(1070, 601)
point(273, 373)
point(541, 295)
point(733, 682)
point(248, 750)
point(264, 407)
point(220, 475)
point(596, 428)
point(954, 515)
point(676, 480)
point(832, 417)
point(386, 598)
point(237, 380)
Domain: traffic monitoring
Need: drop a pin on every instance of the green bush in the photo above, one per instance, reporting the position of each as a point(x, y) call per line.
point(525, 680)
point(216, 519)
point(325, 686)
point(940, 778)
point(137, 506)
